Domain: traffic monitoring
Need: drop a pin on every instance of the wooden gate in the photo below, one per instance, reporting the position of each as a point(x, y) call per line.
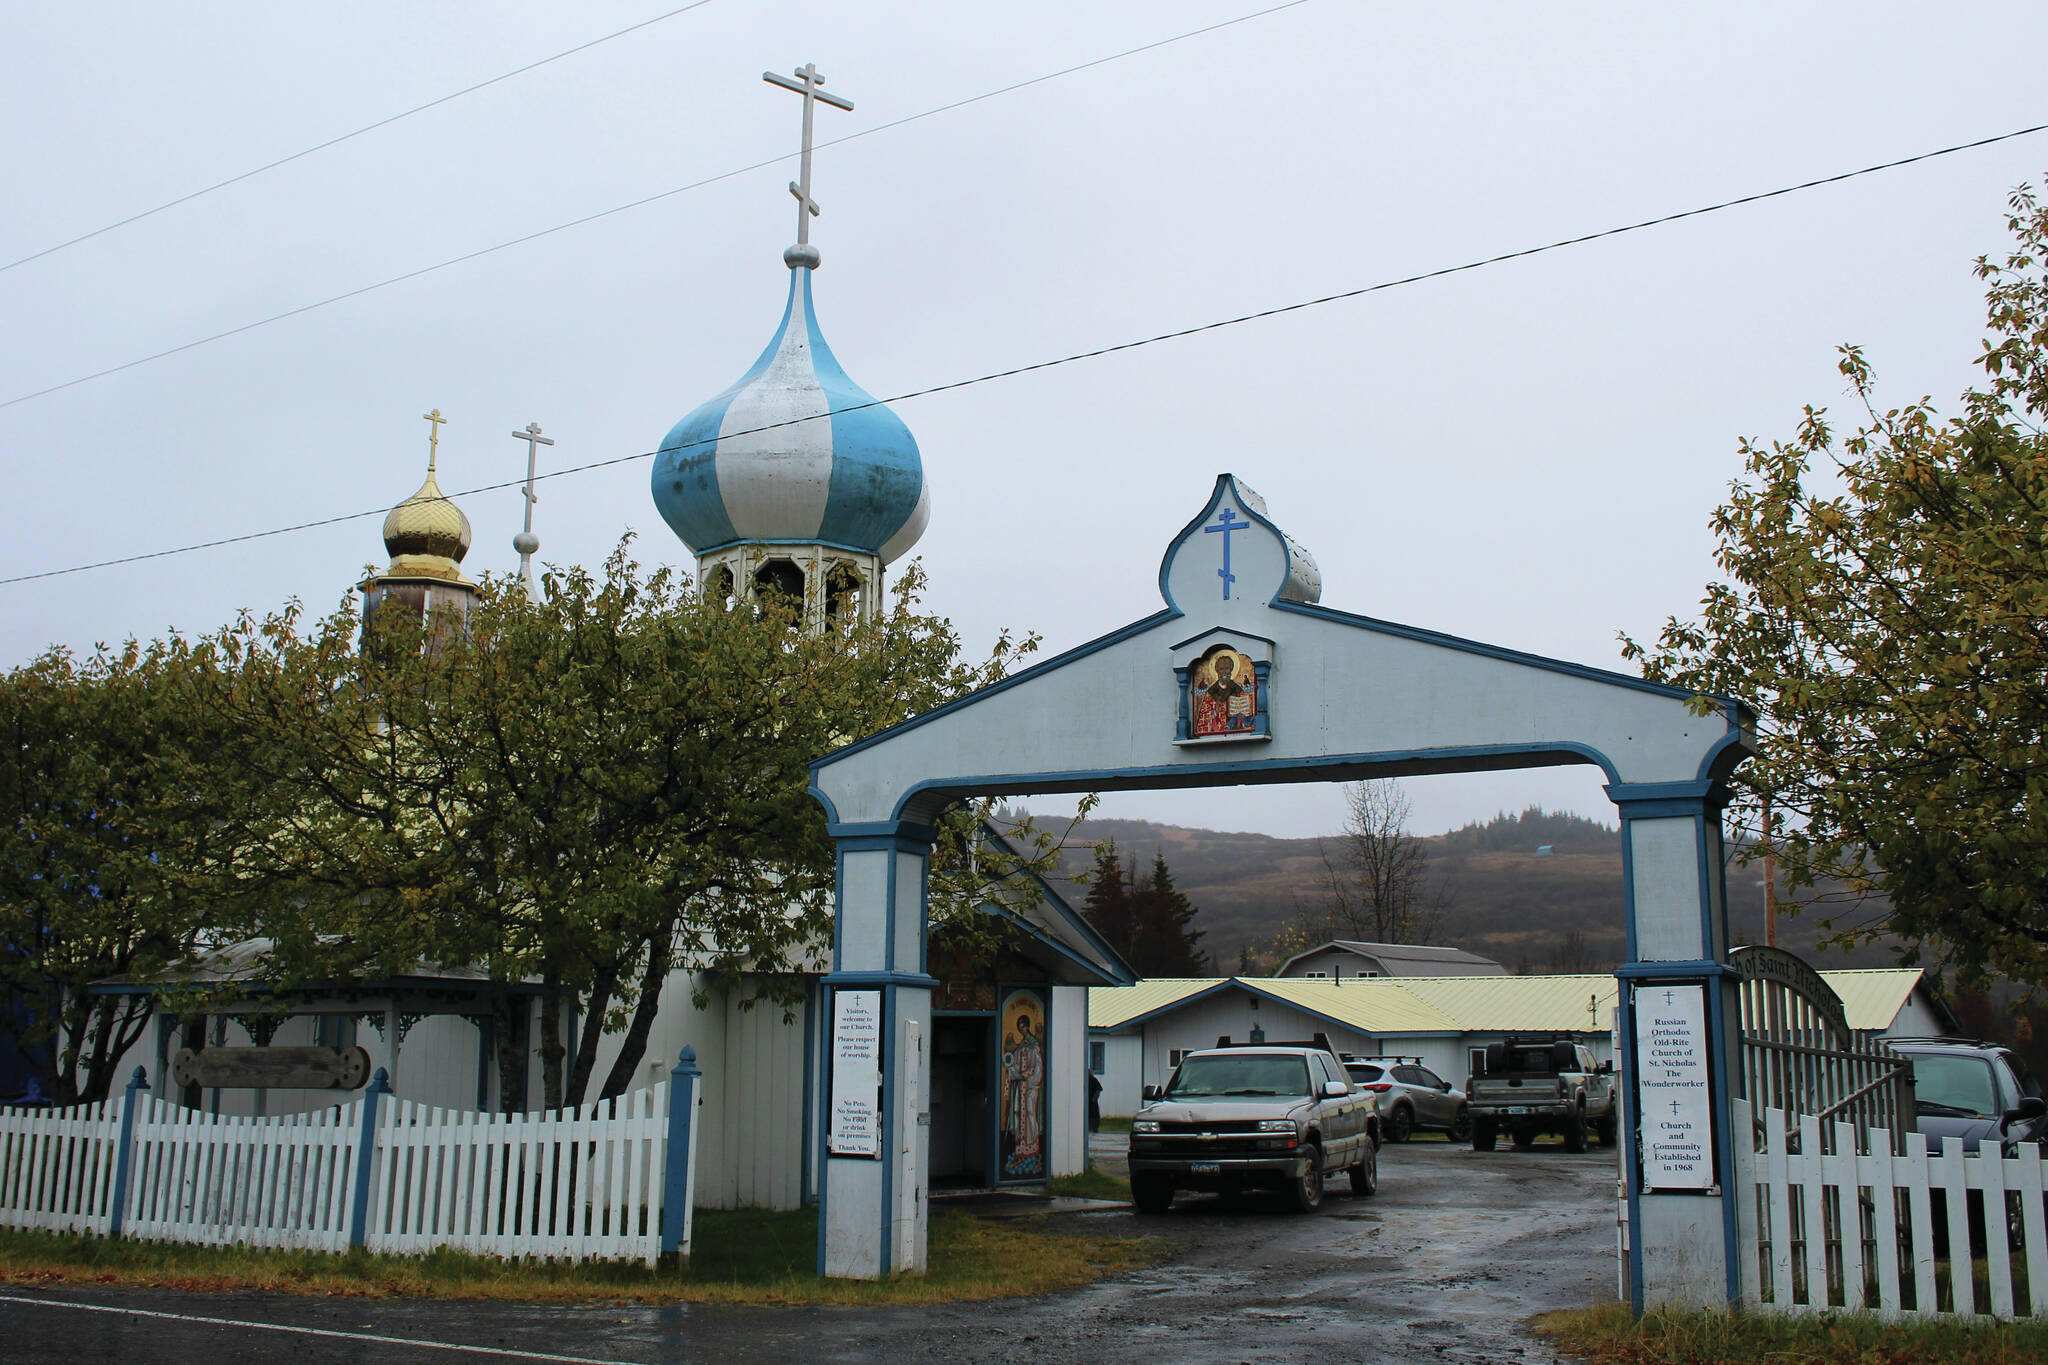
point(1799, 1054)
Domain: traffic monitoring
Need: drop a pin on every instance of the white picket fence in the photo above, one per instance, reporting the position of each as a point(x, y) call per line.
point(579, 1183)
point(583, 1183)
point(57, 1167)
point(1832, 1217)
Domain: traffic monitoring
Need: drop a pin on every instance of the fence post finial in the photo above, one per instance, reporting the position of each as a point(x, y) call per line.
point(676, 1193)
point(124, 1153)
point(366, 1152)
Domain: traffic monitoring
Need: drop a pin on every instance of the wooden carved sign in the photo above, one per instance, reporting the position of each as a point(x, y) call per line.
point(272, 1068)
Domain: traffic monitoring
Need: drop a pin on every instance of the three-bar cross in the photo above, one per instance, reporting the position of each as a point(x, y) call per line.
point(810, 85)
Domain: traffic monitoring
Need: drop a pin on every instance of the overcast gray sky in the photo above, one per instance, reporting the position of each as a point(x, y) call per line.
point(1525, 454)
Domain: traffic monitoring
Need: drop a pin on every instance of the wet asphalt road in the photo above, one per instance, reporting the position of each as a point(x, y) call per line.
point(1443, 1265)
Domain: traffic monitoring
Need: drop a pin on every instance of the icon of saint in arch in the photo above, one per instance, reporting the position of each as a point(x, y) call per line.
point(1226, 694)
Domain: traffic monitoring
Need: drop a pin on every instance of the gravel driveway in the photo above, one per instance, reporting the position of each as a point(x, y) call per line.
point(1443, 1265)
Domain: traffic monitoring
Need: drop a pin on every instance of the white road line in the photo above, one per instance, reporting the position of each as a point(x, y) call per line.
point(312, 1331)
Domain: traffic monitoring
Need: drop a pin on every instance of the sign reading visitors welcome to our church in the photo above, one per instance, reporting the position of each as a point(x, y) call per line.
point(856, 1121)
point(1673, 1102)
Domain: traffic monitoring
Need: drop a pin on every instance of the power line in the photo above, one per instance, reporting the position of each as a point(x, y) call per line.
point(337, 141)
point(641, 203)
point(1078, 356)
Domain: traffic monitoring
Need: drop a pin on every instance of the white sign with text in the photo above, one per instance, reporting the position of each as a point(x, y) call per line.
point(856, 1120)
point(1674, 1103)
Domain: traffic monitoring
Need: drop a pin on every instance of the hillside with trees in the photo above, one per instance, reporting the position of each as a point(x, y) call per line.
point(1503, 896)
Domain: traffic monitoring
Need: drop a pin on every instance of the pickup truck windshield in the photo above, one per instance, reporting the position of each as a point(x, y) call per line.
point(1250, 1076)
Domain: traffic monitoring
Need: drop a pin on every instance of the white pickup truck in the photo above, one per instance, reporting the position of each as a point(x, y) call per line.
point(1541, 1085)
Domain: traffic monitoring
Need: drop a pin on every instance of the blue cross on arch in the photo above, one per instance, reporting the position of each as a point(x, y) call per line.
point(1227, 522)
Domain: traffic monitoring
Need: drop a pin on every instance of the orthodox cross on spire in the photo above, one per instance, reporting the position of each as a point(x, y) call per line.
point(526, 542)
point(808, 83)
point(433, 436)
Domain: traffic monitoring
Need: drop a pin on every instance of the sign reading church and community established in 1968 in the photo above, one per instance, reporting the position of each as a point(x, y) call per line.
point(1673, 1102)
point(856, 1126)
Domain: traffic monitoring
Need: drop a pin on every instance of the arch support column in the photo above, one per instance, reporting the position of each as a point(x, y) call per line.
point(874, 1123)
point(1678, 1048)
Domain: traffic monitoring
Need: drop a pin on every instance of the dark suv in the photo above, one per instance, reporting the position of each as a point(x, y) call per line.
point(1974, 1090)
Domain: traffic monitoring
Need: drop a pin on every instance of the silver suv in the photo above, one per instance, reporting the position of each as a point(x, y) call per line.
point(1411, 1097)
point(1253, 1117)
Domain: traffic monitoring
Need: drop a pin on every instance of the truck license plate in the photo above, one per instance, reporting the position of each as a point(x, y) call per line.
point(1518, 1109)
point(1204, 1168)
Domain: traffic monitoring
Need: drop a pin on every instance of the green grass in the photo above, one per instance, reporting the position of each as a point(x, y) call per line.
point(1092, 1185)
point(1109, 1125)
point(743, 1256)
point(1609, 1335)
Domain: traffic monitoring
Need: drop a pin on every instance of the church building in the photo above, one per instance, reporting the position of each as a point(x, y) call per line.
point(793, 481)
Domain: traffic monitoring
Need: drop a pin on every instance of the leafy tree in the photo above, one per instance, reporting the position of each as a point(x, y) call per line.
point(115, 817)
point(595, 791)
point(1886, 611)
point(1376, 881)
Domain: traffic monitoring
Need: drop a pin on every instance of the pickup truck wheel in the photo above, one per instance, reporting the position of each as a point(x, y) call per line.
point(1151, 1194)
point(1308, 1188)
point(1365, 1176)
point(1461, 1125)
point(1605, 1126)
point(1401, 1124)
point(1575, 1131)
point(1484, 1135)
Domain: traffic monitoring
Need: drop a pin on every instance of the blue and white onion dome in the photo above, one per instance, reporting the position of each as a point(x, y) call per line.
point(746, 468)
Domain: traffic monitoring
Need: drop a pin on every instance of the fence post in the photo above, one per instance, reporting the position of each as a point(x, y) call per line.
point(675, 1198)
point(366, 1152)
point(125, 1153)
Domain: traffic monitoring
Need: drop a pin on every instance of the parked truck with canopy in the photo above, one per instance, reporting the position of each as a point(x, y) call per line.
point(1541, 1085)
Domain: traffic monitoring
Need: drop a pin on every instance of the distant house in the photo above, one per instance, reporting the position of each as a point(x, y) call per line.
point(1347, 957)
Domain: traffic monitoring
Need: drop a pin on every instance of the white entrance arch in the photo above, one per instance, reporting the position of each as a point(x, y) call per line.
point(1167, 702)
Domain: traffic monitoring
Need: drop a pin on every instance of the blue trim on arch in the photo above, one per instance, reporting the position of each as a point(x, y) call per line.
point(1095, 646)
point(892, 1061)
point(1320, 767)
point(859, 980)
point(1421, 635)
point(903, 835)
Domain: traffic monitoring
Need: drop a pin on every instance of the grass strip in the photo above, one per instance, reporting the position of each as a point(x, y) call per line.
point(742, 1256)
point(1093, 1185)
point(1610, 1336)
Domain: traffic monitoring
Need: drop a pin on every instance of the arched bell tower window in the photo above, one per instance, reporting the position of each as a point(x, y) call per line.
point(842, 593)
point(718, 585)
point(780, 577)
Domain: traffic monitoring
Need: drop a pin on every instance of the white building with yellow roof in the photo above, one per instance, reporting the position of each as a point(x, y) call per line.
point(1137, 1034)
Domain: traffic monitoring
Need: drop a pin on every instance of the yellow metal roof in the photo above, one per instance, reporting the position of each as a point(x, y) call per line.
point(1873, 998)
point(1115, 1006)
point(1373, 1005)
point(1472, 1004)
point(1516, 1004)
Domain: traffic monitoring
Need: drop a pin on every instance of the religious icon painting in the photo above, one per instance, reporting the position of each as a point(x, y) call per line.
point(1022, 1086)
point(1223, 695)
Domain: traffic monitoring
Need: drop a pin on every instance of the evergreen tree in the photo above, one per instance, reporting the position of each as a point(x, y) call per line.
point(1166, 943)
point(1149, 922)
point(1108, 904)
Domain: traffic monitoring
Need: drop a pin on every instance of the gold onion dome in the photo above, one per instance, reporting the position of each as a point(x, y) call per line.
point(427, 535)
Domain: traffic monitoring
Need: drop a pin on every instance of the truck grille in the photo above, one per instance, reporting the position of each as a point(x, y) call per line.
point(1223, 1126)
